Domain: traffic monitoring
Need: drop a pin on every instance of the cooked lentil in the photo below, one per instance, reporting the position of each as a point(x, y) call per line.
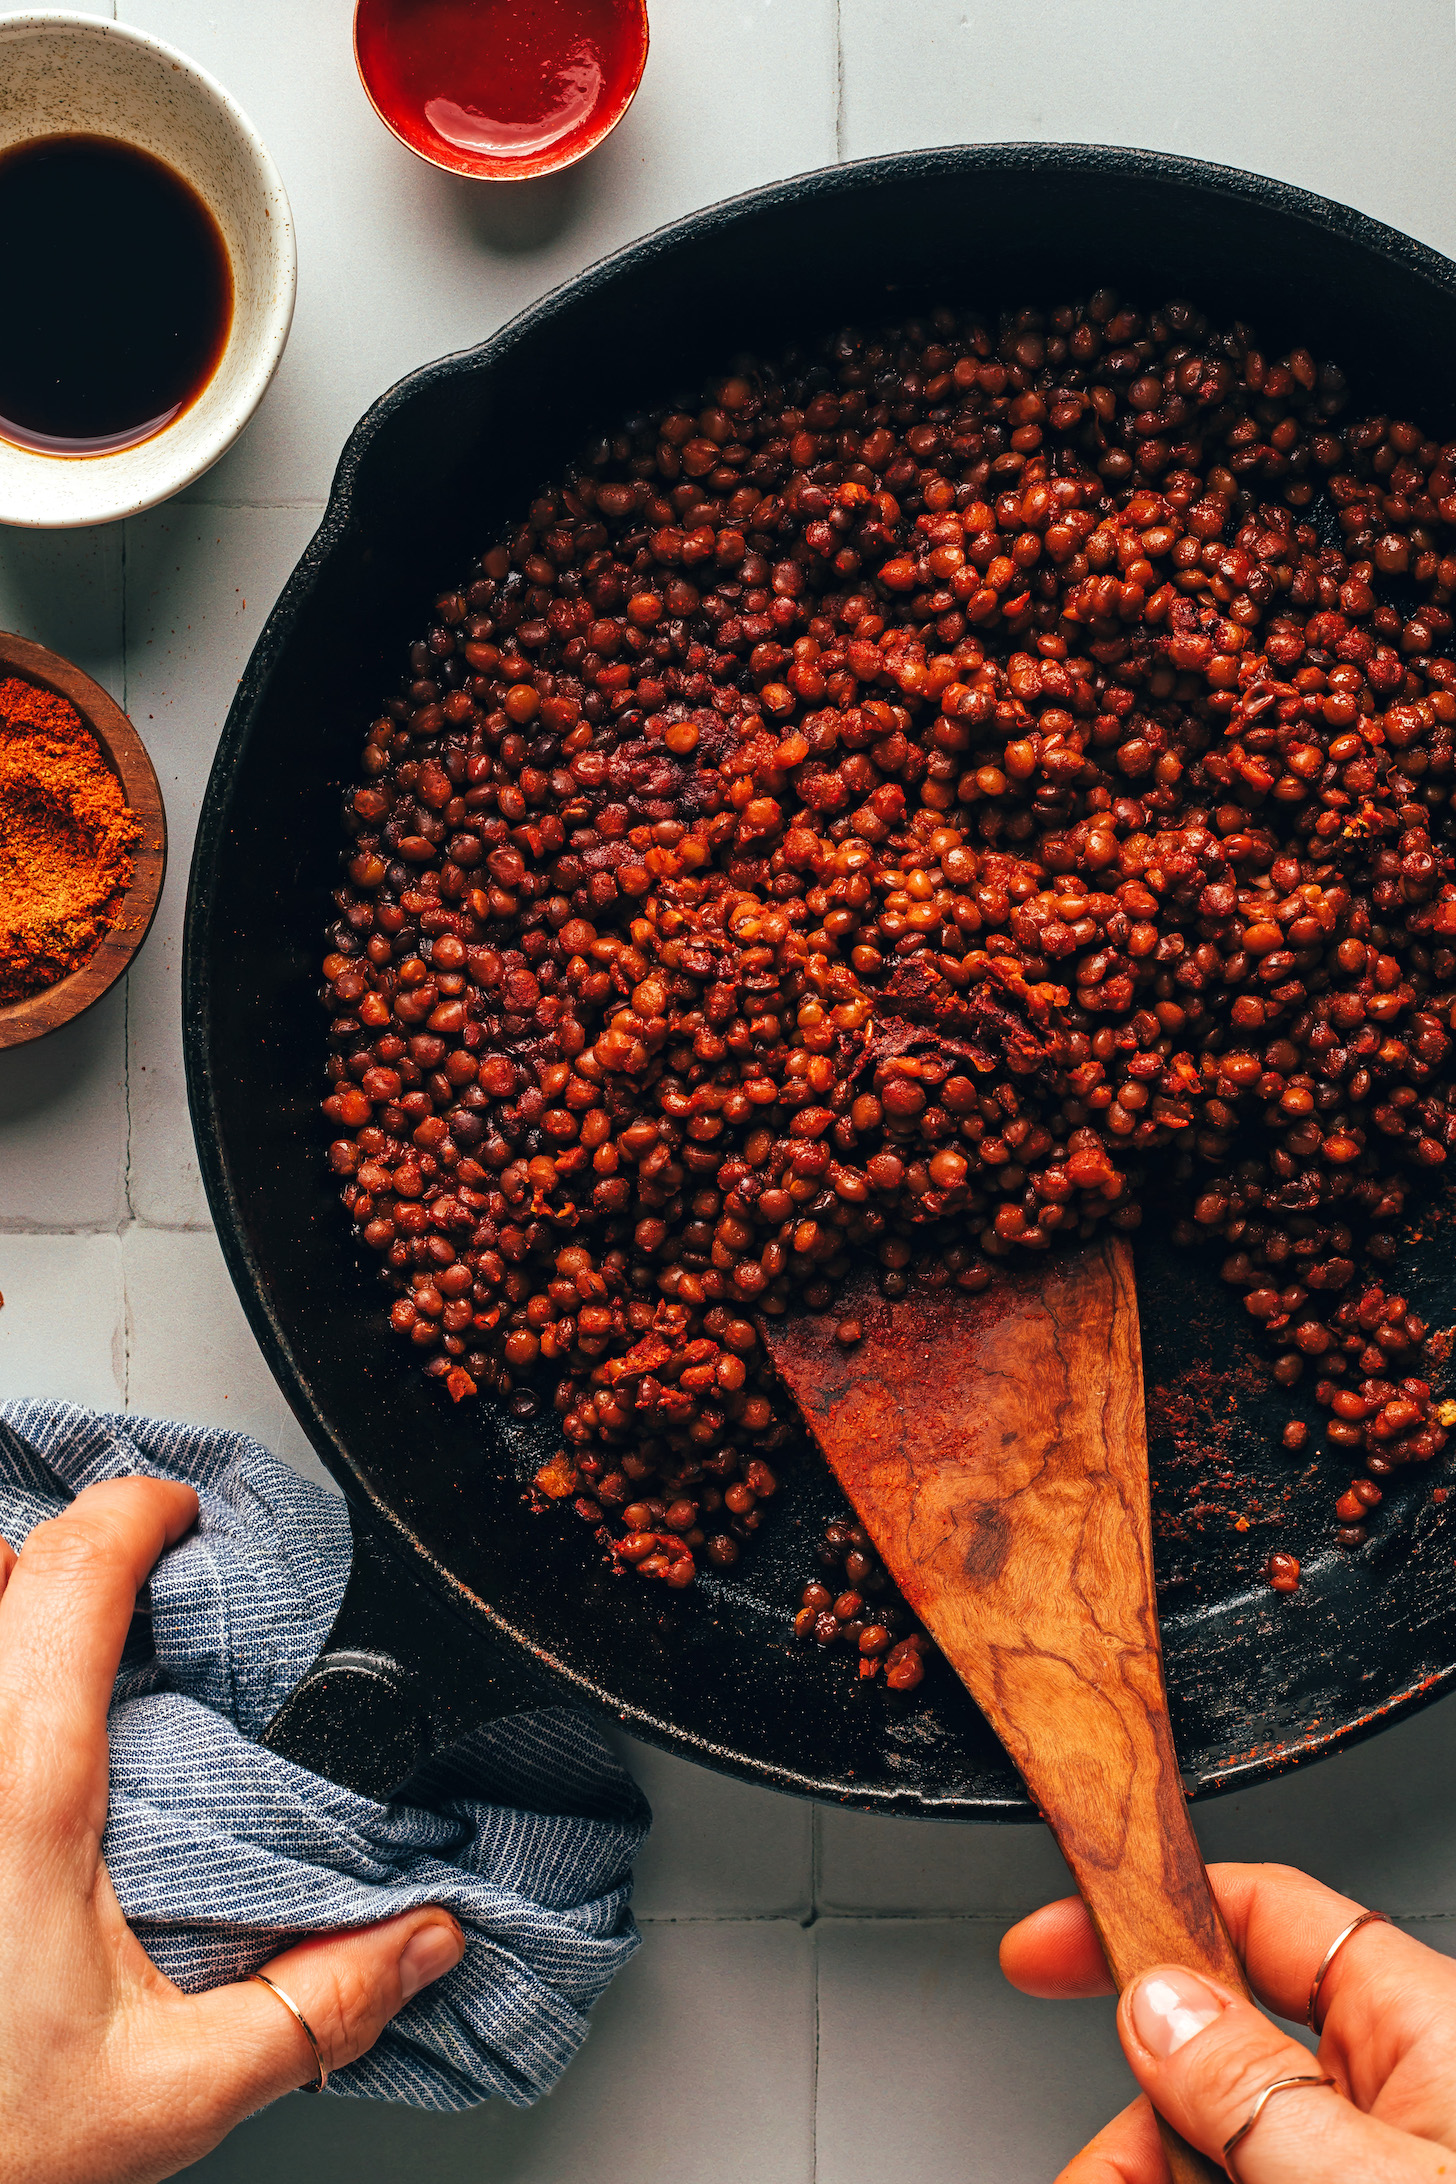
point(911, 799)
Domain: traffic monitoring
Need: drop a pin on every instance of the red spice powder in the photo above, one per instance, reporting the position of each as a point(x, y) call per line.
point(66, 838)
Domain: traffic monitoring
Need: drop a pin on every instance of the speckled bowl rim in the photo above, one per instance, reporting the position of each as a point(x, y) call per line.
point(268, 345)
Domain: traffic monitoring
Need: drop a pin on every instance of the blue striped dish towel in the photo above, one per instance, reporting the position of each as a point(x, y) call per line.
point(222, 1852)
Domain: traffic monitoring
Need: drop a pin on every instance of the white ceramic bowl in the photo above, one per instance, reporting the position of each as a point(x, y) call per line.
point(65, 74)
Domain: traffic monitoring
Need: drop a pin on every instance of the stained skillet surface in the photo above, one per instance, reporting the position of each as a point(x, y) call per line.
point(1256, 1682)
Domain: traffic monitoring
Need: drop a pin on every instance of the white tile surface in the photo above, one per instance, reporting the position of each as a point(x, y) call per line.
point(1375, 1822)
point(933, 2071)
point(63, 589)
point(399, 263)
point(1435, 1933)
point(63, 1124)
point(199, 584)
point(867, 1863)
point(190, 1352)
point(699, 2069)
point(63, 1323)
point(1357, 102)
point(718, 1849)
point(62, 1099)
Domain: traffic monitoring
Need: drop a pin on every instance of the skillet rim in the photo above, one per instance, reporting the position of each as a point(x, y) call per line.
point(1237, 186)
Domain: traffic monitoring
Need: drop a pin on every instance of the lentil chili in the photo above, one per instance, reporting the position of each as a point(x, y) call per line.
point(912, 799)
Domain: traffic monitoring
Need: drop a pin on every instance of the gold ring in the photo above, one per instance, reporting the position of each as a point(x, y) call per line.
point(292, 2007)
point(1280, 2085)
point(1366, 1918)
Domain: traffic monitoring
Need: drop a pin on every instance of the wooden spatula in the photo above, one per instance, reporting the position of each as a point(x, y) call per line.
point(995, 1450)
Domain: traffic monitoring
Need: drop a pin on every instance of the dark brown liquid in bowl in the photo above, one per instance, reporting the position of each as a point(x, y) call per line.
point(116, 293)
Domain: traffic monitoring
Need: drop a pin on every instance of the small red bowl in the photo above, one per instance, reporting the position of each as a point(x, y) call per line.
point(501, 90)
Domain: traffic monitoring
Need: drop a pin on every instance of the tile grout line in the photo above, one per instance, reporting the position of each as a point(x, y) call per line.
point(789, 1918)
point(304, 501)
point(814, 1945)
point(126, 1329)
point(811, 1925)
point(813, 1863)
point(987, 1915)
point(129, 1210)
point(119, 1229)
point(126, 1340)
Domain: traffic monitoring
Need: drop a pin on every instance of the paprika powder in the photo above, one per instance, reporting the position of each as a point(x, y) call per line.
point(66, 841)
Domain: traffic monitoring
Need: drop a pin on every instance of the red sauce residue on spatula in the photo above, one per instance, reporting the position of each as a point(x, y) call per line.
point(501, 89)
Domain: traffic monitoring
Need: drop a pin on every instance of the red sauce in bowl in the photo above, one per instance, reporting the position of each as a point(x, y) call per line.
point(501, 89)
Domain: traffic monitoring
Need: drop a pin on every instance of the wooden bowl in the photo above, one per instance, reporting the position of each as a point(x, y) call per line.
point(72, 996)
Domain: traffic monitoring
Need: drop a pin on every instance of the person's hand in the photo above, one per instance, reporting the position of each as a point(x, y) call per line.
point(108, 2071)
point(1203, 2055)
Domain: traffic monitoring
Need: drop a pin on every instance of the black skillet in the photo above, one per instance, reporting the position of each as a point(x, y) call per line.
point(463, 1604)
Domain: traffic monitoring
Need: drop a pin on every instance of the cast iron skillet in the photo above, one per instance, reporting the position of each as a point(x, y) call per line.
point(431, 476)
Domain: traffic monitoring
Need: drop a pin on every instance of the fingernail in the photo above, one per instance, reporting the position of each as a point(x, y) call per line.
point(429, 1954)
point(1169, 2008)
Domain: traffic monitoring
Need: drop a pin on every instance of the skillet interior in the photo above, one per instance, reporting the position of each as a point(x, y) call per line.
point(428, 479)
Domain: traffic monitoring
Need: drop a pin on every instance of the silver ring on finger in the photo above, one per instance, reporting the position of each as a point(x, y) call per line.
point(1366, 1918)
point(1279, 2085)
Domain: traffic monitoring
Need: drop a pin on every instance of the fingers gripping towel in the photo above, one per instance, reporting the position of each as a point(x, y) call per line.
point(222, 1853)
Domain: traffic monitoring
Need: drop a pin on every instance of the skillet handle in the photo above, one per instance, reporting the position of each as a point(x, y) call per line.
point(399, 1676)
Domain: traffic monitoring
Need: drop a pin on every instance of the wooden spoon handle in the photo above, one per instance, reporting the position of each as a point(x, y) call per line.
point(1073, 1684)
point(996, 1451)
point(1185, 2163)
point(1123, 1827)
point(1134, 1856)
